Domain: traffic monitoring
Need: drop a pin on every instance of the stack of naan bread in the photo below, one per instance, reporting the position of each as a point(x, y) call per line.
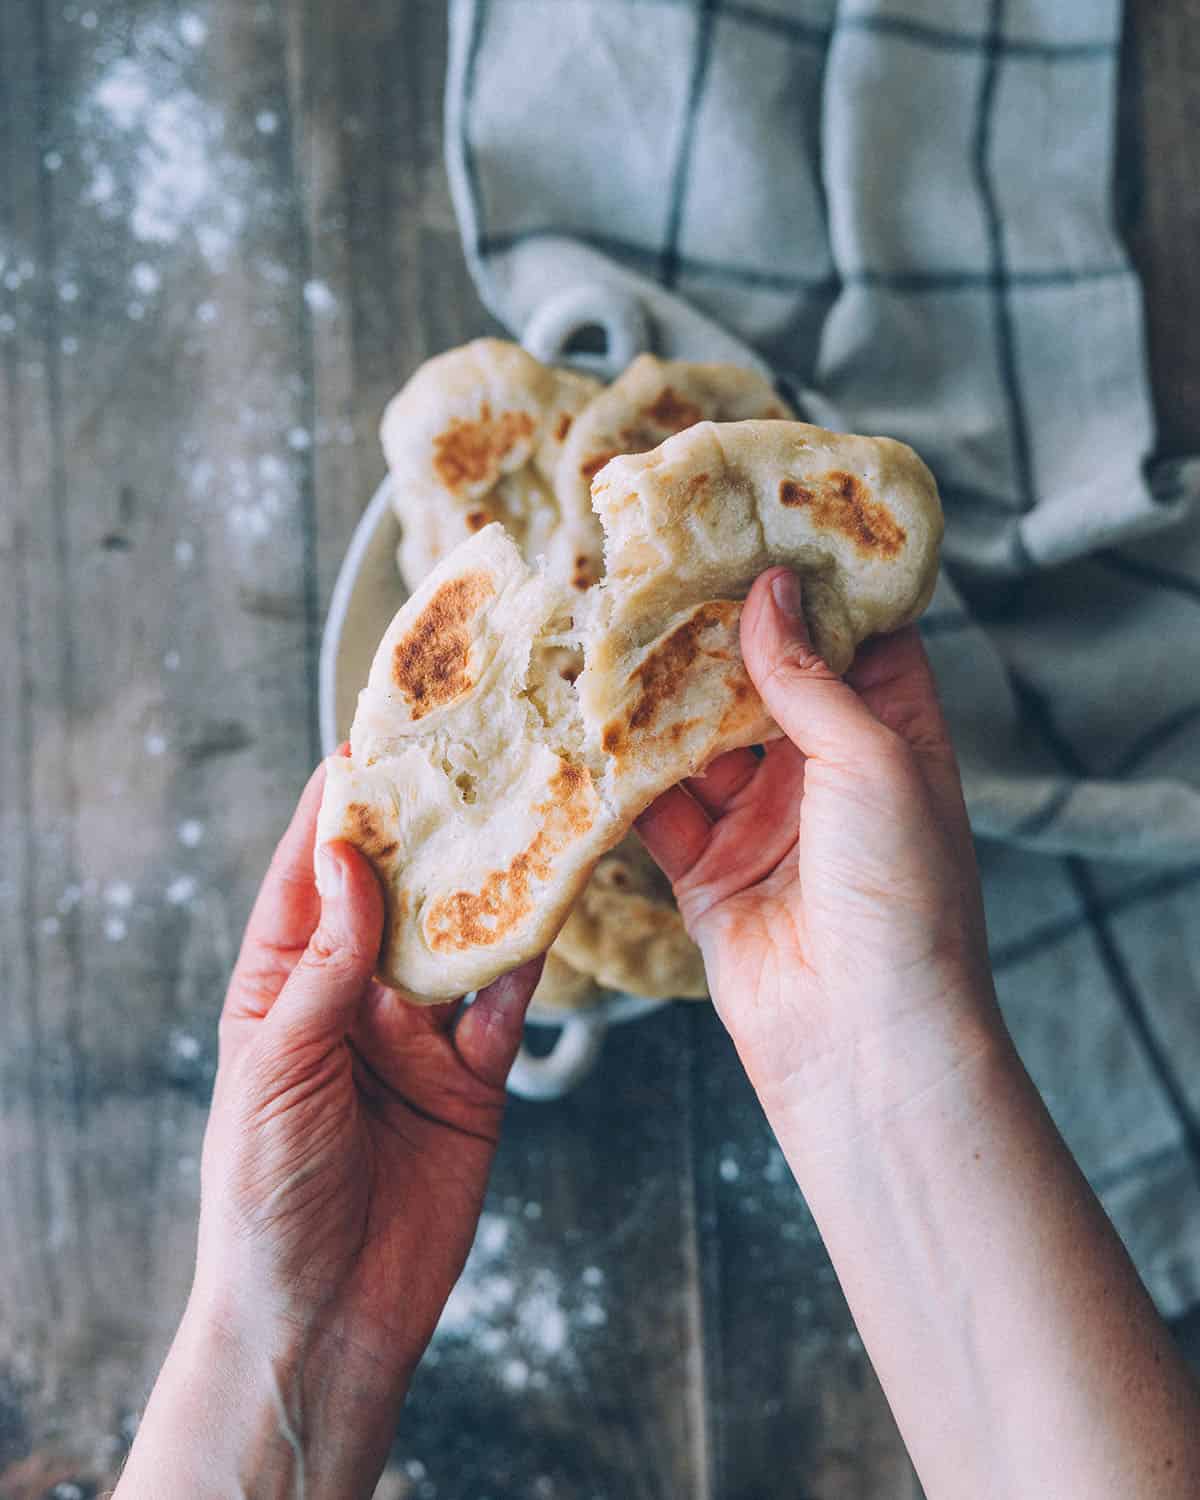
point(575, 555)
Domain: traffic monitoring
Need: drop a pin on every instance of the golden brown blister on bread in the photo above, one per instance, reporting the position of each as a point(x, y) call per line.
point(486, 433)
point(475, 437)
point(476, 883)
point(651, 401)
point(648, 403)
point(480, 431)
point(474, 811)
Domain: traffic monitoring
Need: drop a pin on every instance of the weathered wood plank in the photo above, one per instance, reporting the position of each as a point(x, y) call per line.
point(387, 285)
point(50, 1221)
point(24, 1167)
point(562, 1367)
point(796, 1409)
point(168, 570)
point(1160, 123)
point(1163, 113)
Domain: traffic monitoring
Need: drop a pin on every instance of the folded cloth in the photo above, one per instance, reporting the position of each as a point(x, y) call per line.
point(905, 210)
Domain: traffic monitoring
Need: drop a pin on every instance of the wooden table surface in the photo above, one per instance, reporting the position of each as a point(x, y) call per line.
point(225, 238)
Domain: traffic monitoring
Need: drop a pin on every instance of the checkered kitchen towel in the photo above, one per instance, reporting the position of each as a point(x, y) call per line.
point(904, 208)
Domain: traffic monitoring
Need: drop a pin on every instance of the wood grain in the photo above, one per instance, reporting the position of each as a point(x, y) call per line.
point(795, 1406)
point(227, 238)
point(1162, 116)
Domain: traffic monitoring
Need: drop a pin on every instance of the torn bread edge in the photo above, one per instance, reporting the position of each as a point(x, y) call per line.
point(654, 631)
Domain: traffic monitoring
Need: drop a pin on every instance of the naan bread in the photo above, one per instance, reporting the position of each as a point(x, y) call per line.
point(487, 433)
point(689, 527)
point(461, 787)
point(484, 432)
point(563, 988)
point(625, 930)
point(476, 436)
point(649, 402)
point(483, 802)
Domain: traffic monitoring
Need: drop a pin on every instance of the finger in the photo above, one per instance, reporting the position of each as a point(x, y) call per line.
point(896, 681)
point(893, 677)
point(490, 1031)
point(326, 988)
point(285, 912)
point(676, 830)
point(752, 838)
point(819, 713)
point(392, 1019)
point(405, 1045)
point(720, 783)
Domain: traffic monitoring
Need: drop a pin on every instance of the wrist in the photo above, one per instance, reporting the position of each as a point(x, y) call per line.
point(263, 1408)
point(371, 1360)
point(896, 1076)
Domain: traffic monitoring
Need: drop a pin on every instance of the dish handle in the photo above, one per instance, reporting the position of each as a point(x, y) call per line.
point(572, 1057)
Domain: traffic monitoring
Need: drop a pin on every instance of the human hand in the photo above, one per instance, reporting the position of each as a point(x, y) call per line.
point(351, 1135)
point(833, 890)
point(832, 885)
point(343, 1173)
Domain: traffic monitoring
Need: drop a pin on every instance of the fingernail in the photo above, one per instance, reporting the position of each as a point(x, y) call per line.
point(785, 590)
point(329, 874)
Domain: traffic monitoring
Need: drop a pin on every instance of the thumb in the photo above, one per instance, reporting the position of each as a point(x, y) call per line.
point(822, 715)
point(321, 997)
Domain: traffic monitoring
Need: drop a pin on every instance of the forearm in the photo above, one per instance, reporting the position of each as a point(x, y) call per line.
point(264, 1419)
point(1017, 1347)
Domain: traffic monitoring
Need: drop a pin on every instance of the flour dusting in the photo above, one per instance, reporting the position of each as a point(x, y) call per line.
point(145, 279)
point(318, 296)
point(525, 1321)
point(69, 899)
point(193, 29)
point(180, 891)
point(163, 158)
point(184, 1046)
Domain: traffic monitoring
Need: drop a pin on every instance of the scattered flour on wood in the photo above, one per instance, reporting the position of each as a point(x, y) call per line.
point(190, 833)
point(184, 1046)
point(164, 161)
point(318, 297)
point(180, 891)
point(524, 1322)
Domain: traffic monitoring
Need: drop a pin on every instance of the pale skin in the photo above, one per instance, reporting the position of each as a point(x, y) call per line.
point(832, 888)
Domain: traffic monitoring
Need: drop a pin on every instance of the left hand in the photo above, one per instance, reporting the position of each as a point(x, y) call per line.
point(351, 1134)
point(344, 1169)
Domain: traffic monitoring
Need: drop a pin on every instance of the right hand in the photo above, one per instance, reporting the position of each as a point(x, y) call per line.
point(832, 885)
